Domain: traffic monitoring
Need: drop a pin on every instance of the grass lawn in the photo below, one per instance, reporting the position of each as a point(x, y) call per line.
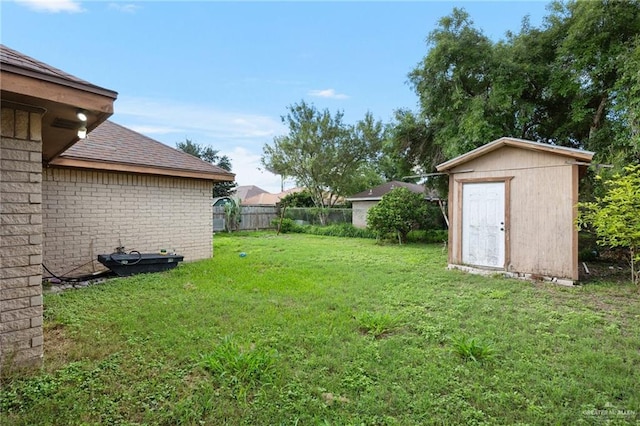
point(314, 330)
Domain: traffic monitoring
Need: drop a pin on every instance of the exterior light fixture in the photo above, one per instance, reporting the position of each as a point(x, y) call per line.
point(82, 115)
point(82, 132)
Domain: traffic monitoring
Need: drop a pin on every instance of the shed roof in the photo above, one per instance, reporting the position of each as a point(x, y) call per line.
point(114, 147)
point(376, 193)
point(570, 153)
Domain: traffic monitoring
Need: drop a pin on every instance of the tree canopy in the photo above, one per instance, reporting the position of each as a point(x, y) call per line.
point(324, 154)
point(210, 155)
point(573, 82)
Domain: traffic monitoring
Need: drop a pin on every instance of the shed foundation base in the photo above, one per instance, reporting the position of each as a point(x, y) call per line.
point(520, 275)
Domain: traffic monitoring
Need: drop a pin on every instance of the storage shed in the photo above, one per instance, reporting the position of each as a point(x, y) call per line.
point(512, 208)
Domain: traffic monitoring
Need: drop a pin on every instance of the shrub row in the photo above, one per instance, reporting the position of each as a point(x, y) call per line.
point(348, 230)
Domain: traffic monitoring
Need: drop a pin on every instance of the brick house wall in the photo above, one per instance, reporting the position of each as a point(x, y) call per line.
point(21, 335)
point(86, 213)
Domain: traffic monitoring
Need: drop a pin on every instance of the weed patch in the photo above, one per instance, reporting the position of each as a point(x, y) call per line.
point(243, 368)
point(472, 349)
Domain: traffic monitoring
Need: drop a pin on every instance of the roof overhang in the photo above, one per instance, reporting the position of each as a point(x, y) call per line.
point(78, 163)
point(59, 99)
point(571, 153)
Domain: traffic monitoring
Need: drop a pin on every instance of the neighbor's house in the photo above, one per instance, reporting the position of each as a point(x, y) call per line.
point(247, 191)
point(363, 201)
point(118, 187)
point(512, 209)
point(39, 107)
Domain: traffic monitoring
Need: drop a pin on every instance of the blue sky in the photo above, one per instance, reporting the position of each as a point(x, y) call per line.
point(222, 73)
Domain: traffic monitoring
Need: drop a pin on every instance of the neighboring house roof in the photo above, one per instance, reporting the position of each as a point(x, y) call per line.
point(376, 193)
point(247, 191)
point(30, 85)
point(571, 153)
point(114, 147)
point(268, 199)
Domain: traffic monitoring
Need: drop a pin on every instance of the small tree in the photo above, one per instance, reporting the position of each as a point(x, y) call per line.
point(615, 217)
point(399, 212)
point(232, 212)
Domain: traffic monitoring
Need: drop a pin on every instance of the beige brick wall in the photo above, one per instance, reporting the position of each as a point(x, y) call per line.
point(21, 337)
point(86, 213)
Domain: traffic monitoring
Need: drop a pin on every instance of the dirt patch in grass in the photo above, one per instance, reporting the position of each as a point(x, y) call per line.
point(58, 345)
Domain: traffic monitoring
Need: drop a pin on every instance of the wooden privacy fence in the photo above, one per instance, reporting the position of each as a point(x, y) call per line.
point(251, 217)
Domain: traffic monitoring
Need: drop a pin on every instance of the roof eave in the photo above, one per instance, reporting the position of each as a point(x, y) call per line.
point(140, 169)
point(579, 155)
point(84, 86)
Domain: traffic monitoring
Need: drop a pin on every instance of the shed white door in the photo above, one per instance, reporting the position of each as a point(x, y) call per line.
point(483, 215)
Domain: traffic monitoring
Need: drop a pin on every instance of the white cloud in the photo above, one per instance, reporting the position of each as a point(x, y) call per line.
point(328, 93)
point(238, 135)
point(192, 118)
point(249, 171)
point(53, 6)
point(122, 7)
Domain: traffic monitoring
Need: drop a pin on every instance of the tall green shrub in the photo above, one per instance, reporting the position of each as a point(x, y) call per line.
point(399, 212)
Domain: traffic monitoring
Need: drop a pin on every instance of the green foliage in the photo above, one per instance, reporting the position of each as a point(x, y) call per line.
point(326, 156)
point(285, 225)
point(615, 217)
point(378, 324)
point(471, 349)
point(339, 230)
point(232, 214)
point(298, 199)
point(210, 155)
point(319, 216)
point(399, 212)
point(573, 82)
point(429, 236)
point(229, 363)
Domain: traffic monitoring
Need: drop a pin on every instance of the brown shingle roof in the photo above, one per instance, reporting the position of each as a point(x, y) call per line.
point(19, 63)
point(111, 145)
point(268, 199)
point(377, 192)
point(247, 191)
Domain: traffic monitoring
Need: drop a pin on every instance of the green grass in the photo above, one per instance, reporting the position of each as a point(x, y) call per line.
point(314, 330)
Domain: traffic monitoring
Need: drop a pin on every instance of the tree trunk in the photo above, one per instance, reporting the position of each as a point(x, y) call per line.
point(597, 118)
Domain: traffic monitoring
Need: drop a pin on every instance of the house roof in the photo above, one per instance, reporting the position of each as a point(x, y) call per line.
point(31, 85)
point(114, 147)
point(570, 153)
point(247, 191)
point(268, 199)
point(376, 193)
point(18, 63)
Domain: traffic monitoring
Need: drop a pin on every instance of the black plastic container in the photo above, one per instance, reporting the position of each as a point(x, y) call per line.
point(124, 265)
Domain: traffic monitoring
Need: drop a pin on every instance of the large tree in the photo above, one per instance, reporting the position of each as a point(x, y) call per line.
point(571, 83)
point(324, 154)
point(210, 155)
